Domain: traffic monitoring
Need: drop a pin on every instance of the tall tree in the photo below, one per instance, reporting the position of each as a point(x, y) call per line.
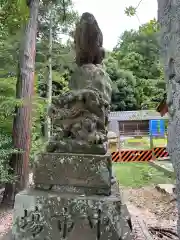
point(24, 90)
point(51, 25)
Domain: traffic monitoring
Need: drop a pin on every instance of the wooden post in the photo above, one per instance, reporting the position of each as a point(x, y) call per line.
point(119, 145)
point(152, 146)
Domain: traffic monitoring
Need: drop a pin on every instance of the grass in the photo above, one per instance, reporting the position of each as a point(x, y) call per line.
point(160, 142)
point(139, 175)
point(144, 143)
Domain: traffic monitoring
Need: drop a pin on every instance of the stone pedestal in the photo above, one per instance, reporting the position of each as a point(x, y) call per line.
point(76, 173)
point(48, 215)
point(71, 199)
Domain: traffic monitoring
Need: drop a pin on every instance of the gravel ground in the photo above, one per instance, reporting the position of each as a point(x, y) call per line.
point(6, 214)
point(154, 209)
point(5, 221)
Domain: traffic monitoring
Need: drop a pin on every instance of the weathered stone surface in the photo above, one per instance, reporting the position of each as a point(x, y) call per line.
point(74, 146)
point(40, 215)
point(90, 76)
point(82, 173)
point(88, 40)
point(80, 117)
point(166, 188)
point(168, 17)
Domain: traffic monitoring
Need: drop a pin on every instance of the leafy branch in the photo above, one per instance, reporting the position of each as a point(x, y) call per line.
point(132, 11)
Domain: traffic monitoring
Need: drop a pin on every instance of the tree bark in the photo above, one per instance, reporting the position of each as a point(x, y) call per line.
point(168, 17)
point(49, 82)
point(22, 120)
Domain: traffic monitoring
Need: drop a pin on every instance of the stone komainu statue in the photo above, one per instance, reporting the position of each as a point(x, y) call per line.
point(80, 116)
point(88, 40)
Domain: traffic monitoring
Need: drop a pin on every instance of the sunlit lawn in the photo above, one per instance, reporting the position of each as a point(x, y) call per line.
point(144, 143)
point(139, 174)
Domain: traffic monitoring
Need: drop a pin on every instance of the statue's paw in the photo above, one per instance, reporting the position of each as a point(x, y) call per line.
point(101, 138)
point(96, 138)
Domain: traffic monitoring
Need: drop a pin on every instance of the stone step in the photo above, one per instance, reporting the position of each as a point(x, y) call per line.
point(166, 188)
point(164, 166)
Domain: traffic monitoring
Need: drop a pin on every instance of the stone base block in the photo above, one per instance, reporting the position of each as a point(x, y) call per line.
point(42, 215)
point(73, 146)
point(80, 173)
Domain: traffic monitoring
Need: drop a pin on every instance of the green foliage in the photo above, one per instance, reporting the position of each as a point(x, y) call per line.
point(7, 105)
point(62, 15)
point(150, 28)
point(9, 51)
point(130, 11)
point(61, 65)
point(137, 52)
point(13, 15)
point(123, 94)
point(5, 151)
point(8, 102)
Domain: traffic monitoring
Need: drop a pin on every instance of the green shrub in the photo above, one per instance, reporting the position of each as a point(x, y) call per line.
point(5, 152)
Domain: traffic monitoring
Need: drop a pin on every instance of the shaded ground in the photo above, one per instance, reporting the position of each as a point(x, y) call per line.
point(153, 208)
point(5, 220)
point(145, 203)
point(151, 203)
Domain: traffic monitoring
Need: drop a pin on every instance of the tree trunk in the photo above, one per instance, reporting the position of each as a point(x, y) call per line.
point(49, 82)
point(22, 120)
point(168, 17)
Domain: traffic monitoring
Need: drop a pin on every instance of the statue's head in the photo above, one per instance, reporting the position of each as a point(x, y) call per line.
point(89, 17)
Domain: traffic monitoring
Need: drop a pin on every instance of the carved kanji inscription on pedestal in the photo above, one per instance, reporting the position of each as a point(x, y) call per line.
point(31, 223)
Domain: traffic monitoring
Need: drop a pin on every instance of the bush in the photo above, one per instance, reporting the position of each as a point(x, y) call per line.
point(5, 151)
